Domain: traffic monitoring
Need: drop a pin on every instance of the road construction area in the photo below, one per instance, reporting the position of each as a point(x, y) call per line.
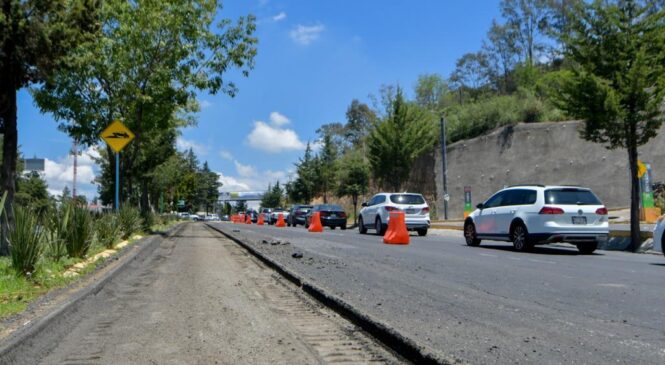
point(487, 304)
point(199, 298)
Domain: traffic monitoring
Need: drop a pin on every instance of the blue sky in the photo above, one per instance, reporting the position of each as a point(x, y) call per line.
point(314, 57)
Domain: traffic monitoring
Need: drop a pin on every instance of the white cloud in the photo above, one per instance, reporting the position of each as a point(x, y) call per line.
point(304, 35)
point(273, 139)
point(245, 170)
point(279, 17)
point(279, 119)
point(185, 144)
point(204, 104)
point(258, 182)
point(226, 155)
point(230, 183)
point(60, 173)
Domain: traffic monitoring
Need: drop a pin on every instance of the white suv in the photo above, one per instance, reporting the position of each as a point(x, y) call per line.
point(375, 214)
point(535, 214)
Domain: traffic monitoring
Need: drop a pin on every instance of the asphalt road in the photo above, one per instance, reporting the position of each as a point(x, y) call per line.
point(199, 298)
point(488, 304)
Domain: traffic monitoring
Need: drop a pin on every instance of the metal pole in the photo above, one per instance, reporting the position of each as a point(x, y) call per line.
point(444, 171)
point(117, 181)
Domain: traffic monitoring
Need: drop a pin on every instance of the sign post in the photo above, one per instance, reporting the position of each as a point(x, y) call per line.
point(468, 207)
point(117, 136)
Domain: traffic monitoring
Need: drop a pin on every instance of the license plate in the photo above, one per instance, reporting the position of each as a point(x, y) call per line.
point(410, 211)
point(579, 220)
point(333, 216)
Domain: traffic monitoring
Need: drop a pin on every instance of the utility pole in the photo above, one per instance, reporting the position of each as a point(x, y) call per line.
point(444, 171)
point(75, 152)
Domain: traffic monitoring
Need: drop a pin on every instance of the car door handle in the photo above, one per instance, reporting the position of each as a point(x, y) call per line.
point(513, 211)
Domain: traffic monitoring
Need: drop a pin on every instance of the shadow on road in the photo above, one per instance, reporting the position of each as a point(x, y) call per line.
point(655, 264)
point(541, 250)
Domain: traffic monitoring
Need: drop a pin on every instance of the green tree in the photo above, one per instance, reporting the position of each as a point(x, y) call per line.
point(431, 91)
point(353, 178)
point(471, 75)
point(502, 55)
point(209, 189)
point(146, 68)
point(273, 196)
point(32, 193)
point(398, 140)
point(527, 19)
point(360, 120)
point(36, 38)
point(618, 79)
point(303, 188)
point(326, 167)
point(241, 206)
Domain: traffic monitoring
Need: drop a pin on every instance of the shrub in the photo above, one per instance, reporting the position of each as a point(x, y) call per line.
point(79, 232)
point(25, 240)
point(130, 221)
point(56, 223)
point(148, 220)
point(108, 230)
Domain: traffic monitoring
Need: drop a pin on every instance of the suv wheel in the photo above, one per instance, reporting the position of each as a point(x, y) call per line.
point(470, 235)
point(378, 226)
point(422, 232)
point(587, 248)
point(361, 226)
point(520, 238)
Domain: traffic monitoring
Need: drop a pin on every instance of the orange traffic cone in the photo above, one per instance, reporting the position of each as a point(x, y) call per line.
point(248, 219)
point(260, 221)
point(397, 234)
point(315, 224)
point(280, 221)
point(234, 218)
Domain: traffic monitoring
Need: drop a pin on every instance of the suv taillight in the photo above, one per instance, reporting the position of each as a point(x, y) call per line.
point(551, 210)
point(424, 210)
point(601, 211)
point(391, 209)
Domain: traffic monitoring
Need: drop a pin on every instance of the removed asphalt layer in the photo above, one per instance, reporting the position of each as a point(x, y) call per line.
point(486, 304)
point(198, 298)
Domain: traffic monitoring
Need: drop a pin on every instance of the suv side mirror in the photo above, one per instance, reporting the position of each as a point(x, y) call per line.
point(364, 204)
point(480, 206)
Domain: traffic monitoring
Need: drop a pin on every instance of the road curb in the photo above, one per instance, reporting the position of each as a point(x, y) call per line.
point(391, 338)
point(10, 347)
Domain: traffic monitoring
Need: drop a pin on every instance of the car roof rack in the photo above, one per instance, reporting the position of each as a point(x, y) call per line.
point(518, 185)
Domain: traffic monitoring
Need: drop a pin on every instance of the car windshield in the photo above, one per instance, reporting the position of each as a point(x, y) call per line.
point(571, 197)
point(407, 199)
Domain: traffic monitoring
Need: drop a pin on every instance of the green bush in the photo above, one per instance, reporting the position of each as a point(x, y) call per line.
point(148, 220)
point(25, 240)
point(56, 223)
point(130, 221)
point(79, 233)
point(474, 119)
point(108, 230)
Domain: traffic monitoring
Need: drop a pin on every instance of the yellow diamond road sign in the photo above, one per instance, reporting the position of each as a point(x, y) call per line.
point(117, 136)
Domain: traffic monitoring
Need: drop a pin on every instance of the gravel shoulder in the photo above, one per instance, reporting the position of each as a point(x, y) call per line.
point(201, 299)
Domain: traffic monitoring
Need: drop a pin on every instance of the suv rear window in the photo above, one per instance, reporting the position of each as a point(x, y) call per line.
point(407, 199)
point(571, 197)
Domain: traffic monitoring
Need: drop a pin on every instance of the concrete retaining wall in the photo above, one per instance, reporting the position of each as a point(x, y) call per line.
point(542, 153)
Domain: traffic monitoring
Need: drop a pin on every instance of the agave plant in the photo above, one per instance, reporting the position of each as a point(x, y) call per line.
point(130, 221)
point(25, 240)
point(79, 232)
point(108, 229)
point(56, 223)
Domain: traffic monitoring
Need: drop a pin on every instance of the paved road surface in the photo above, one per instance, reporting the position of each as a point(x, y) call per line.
point(201, 299)
point(489, 304)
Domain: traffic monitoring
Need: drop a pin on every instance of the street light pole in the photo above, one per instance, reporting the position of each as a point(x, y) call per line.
point(444, 171)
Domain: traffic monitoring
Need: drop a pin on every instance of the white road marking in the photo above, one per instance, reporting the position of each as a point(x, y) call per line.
point(542, 261)
point(488, 255)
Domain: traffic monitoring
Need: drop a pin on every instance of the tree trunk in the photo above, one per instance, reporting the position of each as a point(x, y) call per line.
point(635, 239)
point(9, 152)
point(145, 199)
point(355, 210)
